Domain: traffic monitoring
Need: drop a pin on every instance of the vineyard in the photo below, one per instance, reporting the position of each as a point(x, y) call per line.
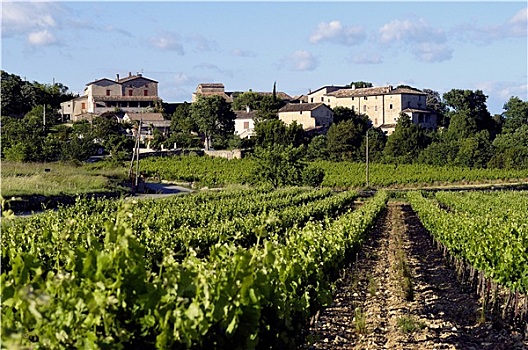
point(245, 268)
point(215, 172)
point(236, 268)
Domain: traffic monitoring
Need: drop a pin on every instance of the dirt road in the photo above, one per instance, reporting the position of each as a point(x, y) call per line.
point(377, 307)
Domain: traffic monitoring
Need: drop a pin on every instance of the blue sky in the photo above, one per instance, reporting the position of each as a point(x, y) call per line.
point(251, 45)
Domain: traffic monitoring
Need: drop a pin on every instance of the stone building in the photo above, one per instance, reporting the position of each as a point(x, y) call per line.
point(133, 93)
point(384, 104)
point(309, 115)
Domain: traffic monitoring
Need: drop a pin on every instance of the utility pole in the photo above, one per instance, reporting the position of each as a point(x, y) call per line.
point(367, 160)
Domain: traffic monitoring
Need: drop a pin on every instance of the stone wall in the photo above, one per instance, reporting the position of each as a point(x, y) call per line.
point(229, 154)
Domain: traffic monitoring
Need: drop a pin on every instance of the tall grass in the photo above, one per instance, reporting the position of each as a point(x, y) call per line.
point(48, 179)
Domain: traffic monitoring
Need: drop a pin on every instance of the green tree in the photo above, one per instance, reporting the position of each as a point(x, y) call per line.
point(317, 148)
point(510, 149)
point(346, 136)
point(406, 142)
point(345, 113)
point(360, 84)
point(376, 144)
point(433, 101)
point(247, 99)
point(344, 141)
point(214, 118)
point(275, 132)
point(474, 151)
point(468, 114)
point(515, 114)
point(279, 165)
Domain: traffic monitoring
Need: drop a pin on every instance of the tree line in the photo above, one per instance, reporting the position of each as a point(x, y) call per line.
point(468, 135)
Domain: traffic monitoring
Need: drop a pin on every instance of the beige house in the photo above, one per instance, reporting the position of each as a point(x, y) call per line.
point(384, 104)
point(212, 89)
point(134, 93)
point(245, 123)
point(309, 115)
point(319, 94)
point(218, 89)
point(149, 122)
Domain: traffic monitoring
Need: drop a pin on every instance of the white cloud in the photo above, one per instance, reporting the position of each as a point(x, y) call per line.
point(33, 20)
point(336, 32)
point(299, 61)
point(515, 27)
point(181, 79)
point(432, 52)
point(167, 41)
point(202, 43)
point(427, 44)
point(411, 32)
point(243, 53)
point(41, 38)
point(504, 89)
point(365, 58)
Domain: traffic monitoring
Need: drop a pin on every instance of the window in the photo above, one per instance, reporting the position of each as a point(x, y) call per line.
point(246, 125)
point(311, 100)
point(107, 92)
point(376, 121)
point(352, 98)
point(364, 108)
point(129, 92)
point(353, 107)
point(376, 108)
point(145, 92)
point(300, 112)
point(365, 98)
point(322, 99)
point(83, 105)
point(390, 106)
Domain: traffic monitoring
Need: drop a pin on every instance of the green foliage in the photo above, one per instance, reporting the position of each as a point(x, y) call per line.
point(214, 118)
point(469, 113)
point(317, 148)
point(20, 96)
point(80, 279)
point(406, 142)
point(487, 230)
point(279, 165)
point(312, 176)
point(434, 102)
point(360, 84)
point(347, 135)
point(272, 132)
point(511, 150)
point(515, 114)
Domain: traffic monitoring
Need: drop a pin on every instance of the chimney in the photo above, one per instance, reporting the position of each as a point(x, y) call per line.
point(129, 74)
point(248, 109)
point(353, 86)
point(117, 77)
point(390, 88)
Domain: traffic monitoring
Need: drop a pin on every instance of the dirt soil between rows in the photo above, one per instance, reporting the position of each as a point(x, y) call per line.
point(371, 311)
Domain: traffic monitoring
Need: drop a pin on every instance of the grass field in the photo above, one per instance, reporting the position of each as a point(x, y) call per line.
point(49, 179)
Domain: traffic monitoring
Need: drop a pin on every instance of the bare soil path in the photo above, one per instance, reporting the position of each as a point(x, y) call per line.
point(371, 309)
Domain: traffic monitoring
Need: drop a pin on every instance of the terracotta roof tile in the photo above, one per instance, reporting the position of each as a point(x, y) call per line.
point(297, 107)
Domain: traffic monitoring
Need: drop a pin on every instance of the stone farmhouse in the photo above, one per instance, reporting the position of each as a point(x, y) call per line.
point(382, 104)
point(130, 99)
point(312, 116)
point(245, 123)
point(211, 89)
point(133, 93)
